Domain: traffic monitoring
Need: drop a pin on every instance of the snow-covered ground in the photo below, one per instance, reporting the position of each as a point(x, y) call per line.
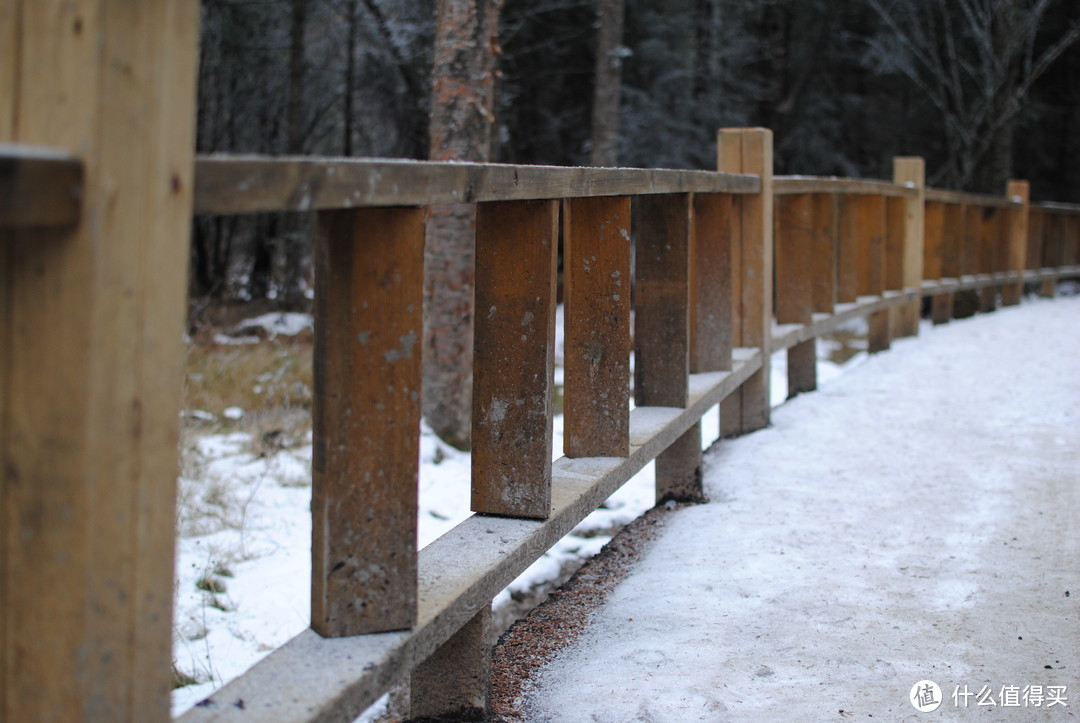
point(915, 520)
point(243, 556)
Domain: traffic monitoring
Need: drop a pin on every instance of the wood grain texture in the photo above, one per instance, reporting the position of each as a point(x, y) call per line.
point(933, 240)
point(970, 248)
point(95, 316)
point(910, 172)
point(961, 198)
point(514, 357)
point(1016, 238)
point(678, 470)
point(796, 185)
point(1035, 238)
point(826, 213)
point(989, 244)
point(455, 682)
point(794, 238)
point(366, 416)
point(711, 235)
point(596, 279)
point(661, 301)
point(314, 679)
point(750, 150)
point(248, 184)
point(662, 332)
point(847, 252)
point(794, 242)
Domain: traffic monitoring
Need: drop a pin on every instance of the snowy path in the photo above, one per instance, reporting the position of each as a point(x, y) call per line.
point(917, 519)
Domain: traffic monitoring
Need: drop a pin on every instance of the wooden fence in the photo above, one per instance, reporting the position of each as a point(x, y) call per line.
point(94, 240)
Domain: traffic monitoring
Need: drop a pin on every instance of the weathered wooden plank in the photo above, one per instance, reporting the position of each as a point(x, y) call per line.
point(989, 243)
point(455, 682)
point(794, 238)
point(933, 240)
point(755, 156)
point(847, 254)
point(661, 301)
point(366, 416)
point(248, 184)
point(596, 281)
point(1072, 240)
point(311, 678)
point(710, 282)
point(662, 329)
point(678, 470)
point(797, 185)
point(729, 150)
point(1035, 232)
point(961, 198)
point(911, 173)
point(970, 252)
point(933, 259)
point(1060, 208)
point(823, 254)
point(93, 361)
point(870, 229)
point(514, 357)
point(38, 187)
point(794, 242)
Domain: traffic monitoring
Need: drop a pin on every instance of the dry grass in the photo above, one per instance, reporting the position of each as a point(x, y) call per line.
point(261, 378)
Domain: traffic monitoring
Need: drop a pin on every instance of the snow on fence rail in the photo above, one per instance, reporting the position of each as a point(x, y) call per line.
point(91, 314)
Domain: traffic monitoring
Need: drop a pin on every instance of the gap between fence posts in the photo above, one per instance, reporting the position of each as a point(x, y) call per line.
point(750, 150)
point(91, 333)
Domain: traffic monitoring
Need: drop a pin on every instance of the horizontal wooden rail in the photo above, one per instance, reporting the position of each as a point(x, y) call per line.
point(970, 199)
point(249, 184)
point(1066, 208)
point(315, 678)
point(39, 187)
point(791, 185)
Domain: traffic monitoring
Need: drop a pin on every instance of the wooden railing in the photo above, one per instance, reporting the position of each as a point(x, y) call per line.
point(707, 247)
point(93, 243)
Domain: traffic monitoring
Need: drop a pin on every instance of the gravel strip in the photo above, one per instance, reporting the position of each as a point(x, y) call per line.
point(534, 641)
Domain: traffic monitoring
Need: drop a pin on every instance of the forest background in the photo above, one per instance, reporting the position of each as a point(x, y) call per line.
point(984, 90)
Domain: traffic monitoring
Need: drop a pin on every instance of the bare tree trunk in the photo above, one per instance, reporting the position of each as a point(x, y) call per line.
point(353, 22)
point(296, 232)
point(608, 84)
point(462, 116)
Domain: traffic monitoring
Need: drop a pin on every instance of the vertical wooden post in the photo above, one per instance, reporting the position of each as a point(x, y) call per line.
point(596, 278)
point(933, 253)
point(1035, 237)
point(911, 172)
point(989, 240)
point(368, 329)
point(91, 327)
point(710, 282)
point(662, 332)
point(794, 289)
point(953, 224)
point(455, 682)
point(750, 150)
point(1016, 238)
point(514, 357)
point(1050, 246)
point(847, 277)
point(869, 240)
point(1072, 240)
point(823, 255)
